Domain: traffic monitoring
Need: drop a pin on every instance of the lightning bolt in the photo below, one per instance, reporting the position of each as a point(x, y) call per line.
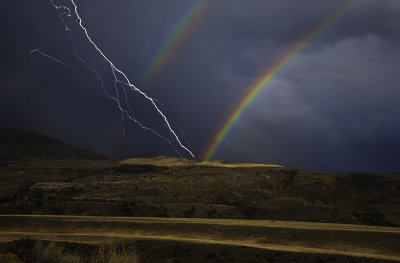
point(119, 77)
point(50, 57)
point(183, 133)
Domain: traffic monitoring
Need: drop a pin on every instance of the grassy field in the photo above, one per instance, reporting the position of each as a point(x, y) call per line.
point(300, 237)
point(173, 161)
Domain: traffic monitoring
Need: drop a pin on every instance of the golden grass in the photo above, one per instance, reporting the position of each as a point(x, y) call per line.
point(55, 253)
point(173, 161)
point(110, 254)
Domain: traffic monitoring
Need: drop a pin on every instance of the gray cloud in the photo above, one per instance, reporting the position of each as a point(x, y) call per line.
point(337, 105)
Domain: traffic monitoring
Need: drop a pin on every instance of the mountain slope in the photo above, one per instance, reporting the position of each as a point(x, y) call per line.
point(17, 144)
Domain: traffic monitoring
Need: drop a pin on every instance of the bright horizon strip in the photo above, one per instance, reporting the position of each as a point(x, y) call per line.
point(262, 81)
point(177, 38)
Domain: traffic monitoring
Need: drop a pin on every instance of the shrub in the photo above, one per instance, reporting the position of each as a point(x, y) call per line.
point(54, 254)
point(9, 258)
point(91, 213)
point(50, 196)
point(110, 254)
point(189, 213)
point(36, 193)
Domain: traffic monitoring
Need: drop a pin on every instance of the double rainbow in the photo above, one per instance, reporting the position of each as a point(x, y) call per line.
point(177, 37)
point(252, 92)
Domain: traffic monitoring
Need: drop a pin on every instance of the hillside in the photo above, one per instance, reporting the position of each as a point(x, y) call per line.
point(82, 187)
point(174, 161)
point(43, 176)
point(17, 144)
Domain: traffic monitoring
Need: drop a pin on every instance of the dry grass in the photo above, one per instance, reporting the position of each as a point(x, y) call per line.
point(172, 161)
point(107, 253)
point(111, 254)
point(53, 254)
point(9, 258)
point(344, 239)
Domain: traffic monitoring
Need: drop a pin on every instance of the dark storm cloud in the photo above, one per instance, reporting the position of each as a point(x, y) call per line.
point(337, 91)
point(335, 110)
point(282, 21)
point(333, 107)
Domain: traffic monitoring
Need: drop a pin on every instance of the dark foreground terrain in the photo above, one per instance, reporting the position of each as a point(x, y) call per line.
point(87, 239)
point(44, 176)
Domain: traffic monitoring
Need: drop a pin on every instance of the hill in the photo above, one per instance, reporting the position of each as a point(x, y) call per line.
point(44, 176)
point(174, 161)
point(17, 144)
point(63, 179)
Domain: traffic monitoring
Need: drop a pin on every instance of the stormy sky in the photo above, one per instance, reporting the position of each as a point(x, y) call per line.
point(333, 107)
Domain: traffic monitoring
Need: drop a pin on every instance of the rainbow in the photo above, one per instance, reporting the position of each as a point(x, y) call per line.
point(252, 92)
point(177, 37)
